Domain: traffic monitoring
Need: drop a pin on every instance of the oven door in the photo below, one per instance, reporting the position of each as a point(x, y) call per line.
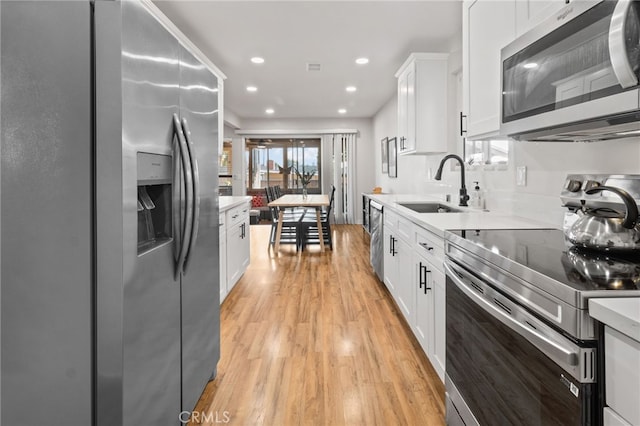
point(505, 366)
point(581, 64)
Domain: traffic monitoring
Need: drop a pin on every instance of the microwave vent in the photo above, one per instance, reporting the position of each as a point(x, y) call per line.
point(606, 128)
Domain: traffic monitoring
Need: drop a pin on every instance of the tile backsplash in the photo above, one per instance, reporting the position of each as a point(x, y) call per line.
point(547, 165)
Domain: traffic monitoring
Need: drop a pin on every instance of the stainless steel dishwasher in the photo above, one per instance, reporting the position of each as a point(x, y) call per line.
point(376, 250)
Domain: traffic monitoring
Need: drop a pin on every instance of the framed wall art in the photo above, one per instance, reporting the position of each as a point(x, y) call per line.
point(392, 151)
point(385, 155)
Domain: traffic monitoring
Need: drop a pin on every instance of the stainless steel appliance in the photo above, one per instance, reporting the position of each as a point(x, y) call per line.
point(109, 216)
point(376, 248)
point(521, 346)
point(602, 211)
point(366, 214)
point(575, 77)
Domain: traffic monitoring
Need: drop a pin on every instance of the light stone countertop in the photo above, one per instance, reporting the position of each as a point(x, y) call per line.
point(619, 313)
point(471, 218)
point(227, 201)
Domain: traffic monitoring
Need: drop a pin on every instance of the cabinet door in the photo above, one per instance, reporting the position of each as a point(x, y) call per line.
point(223, 265)
point(488, 26)
point(423, 325)
point(234, 262)
point(530, 13)
point(403, 129)
point(409, 143)
point(405, 288)
point(245, 249)
point(390, 262)
point(437, 353)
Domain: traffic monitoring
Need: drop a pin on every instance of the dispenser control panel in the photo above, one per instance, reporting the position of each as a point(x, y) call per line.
point(155, 180)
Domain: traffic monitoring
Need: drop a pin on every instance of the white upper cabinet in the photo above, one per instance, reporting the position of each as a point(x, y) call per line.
point(530, 13)
point(422, 104)
point(487, 26)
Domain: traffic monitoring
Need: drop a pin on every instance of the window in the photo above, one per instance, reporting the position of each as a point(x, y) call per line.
point(493, 153)
point(271, 162)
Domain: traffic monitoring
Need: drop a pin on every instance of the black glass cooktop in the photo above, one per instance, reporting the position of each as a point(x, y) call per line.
point(548, 252)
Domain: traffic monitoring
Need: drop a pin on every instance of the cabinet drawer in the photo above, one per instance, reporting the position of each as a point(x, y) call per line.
point(430, 245)
point(622, 358)
point(390, 220)
point(405, 229)
point(611, 418)
point(237, 215)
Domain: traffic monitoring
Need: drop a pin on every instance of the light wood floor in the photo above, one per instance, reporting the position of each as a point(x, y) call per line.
point(315, 339)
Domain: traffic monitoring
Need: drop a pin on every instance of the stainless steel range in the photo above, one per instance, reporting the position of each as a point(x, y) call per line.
point(521, 347)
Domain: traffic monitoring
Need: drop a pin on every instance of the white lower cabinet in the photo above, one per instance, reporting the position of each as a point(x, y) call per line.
point(406, 296)
point(223, 262)
point(438, 354)
point(414, 275)
point(429, 287)
point(622, 378)
point(235, 250)
point(423, 326)
point(390, 261)
point(398, 263)
point(611, 418)
point(390, 235)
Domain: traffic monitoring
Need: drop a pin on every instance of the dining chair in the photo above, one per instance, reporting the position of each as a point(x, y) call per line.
point(309, 226)
point(290, 233)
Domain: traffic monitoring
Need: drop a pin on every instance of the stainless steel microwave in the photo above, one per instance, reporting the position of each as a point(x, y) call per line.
point(575, 76)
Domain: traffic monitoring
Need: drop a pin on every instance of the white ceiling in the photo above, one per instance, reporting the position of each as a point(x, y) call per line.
point(289, 34)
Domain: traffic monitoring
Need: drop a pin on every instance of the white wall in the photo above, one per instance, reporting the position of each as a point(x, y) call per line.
point(547, 166)
point(415, 171)
point(365, 148)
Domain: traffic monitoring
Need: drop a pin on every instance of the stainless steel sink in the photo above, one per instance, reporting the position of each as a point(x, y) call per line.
point(429, 207)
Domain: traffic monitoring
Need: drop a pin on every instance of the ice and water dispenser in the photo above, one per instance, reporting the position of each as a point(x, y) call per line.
point(154, 200)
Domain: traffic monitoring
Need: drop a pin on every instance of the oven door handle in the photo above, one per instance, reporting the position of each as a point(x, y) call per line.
point(547, 345)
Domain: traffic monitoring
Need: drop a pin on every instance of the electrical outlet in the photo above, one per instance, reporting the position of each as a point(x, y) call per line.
point(521, 175)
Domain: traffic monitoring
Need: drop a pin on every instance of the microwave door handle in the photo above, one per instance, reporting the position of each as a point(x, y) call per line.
point(553, 349)
point(618, 48)
point(188, 186)
point(196, 192)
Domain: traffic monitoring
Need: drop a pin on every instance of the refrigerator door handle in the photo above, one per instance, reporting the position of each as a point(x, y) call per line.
point(196, 192)
point(187, 221)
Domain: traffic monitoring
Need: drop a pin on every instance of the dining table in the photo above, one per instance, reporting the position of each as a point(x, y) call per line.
point(317, 201)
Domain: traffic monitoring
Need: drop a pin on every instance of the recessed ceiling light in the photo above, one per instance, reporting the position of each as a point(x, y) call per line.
point(342, 111)
point(269, 110)
point(257, 60)
point(362, 61)
point(351, 88)
point(252, 89)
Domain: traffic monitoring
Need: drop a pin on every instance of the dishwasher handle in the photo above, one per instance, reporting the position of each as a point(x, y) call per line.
point(375, 205)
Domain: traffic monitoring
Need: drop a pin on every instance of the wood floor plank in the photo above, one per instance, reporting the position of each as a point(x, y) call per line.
point(311, 338)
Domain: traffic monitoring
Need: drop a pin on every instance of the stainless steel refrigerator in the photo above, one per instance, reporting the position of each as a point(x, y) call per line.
point(108, 216)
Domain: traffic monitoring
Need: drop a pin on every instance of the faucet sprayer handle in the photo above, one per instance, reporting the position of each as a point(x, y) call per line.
point(463, 197)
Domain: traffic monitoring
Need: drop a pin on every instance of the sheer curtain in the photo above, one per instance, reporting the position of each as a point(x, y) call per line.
point(339, 164)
